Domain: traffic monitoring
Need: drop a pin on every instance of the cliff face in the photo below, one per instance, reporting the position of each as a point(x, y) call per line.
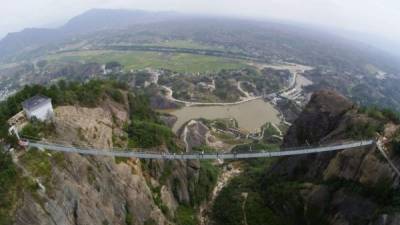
point(346, 187)
point(91, 191)
point(74, 189)
point(321, 116)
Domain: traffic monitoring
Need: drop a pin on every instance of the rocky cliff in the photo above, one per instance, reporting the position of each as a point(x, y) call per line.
point(74, 189)
point(346, 187)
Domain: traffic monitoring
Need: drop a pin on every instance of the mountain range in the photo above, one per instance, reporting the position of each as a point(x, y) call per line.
point(86, 23)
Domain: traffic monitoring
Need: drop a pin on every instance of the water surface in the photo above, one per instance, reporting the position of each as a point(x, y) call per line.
point(250, 115)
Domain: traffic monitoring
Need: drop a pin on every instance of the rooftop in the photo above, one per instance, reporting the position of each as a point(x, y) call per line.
point(35, 101)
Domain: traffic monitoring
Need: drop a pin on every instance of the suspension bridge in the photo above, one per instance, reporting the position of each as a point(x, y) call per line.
point(139, 153)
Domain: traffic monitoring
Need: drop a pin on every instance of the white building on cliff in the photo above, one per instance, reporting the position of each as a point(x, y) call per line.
point(39, 107)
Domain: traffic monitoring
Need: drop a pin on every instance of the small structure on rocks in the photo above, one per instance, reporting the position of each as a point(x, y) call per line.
point(38, 107)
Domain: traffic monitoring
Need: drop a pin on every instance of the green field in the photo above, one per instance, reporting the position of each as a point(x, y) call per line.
point(184, 44)
point(180, 62)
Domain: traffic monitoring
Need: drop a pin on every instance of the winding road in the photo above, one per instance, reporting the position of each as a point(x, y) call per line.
point(189, 103)
point(294, 70)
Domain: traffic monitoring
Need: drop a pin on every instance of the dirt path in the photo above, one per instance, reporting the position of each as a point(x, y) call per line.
point(244, 195)
point(184, 134)
point(225, 177)
point(277, 128)
point(247, 95)
point(185, 131)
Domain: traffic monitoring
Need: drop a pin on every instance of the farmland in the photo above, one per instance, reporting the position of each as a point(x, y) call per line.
point(180, 62)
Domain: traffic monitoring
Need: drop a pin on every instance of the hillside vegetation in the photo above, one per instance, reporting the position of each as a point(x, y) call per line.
point(35, 179)
point(346, 187)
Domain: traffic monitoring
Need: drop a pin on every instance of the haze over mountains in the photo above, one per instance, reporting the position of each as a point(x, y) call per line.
point(368, 75)
point(90, 21)
point(101, 20)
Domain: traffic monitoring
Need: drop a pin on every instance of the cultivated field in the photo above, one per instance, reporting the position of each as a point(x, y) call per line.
point(180, 62)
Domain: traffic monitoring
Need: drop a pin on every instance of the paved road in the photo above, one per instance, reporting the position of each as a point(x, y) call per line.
point(290, 87)
point(172, 156)
point(189, 103)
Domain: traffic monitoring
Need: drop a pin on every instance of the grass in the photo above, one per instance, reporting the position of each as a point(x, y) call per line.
point(270, 130)
point(13, 184)
point(9, 179)
point(228, 138)
point(180, 62)
point(59, 159)
point(38, 163)
point(158, 201)
point(119, 160)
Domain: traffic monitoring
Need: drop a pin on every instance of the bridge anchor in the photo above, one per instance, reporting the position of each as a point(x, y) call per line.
point(14, 131)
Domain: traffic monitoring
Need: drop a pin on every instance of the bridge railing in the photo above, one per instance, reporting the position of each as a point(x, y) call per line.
point(191, 155)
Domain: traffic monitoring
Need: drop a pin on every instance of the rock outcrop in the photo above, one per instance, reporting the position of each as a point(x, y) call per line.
point(196, 134)
point(345, 187)
point(103, 190)
point(160, 102)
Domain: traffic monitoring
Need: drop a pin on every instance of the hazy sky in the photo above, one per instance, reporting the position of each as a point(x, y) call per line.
point(371, 16)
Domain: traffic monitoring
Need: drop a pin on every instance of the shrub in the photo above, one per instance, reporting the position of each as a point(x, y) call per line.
point(220, 125)
point(115, 94)
point(381, 113)
point(37, 128)
point(150, 222)
point(63, 93)
point(128, 216)
point(227, 206)
point(360, 130)
point(382, 192)
point(391, 115)
point(38, 163)
point(8, 184)
point(139, 108)
point(395, 146)
point(270, 130)
point(185, 216)
point(204, 148)
point(208, 176)
point(145, 134)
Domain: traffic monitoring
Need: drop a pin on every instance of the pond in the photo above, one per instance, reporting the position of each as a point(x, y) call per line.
point(250, 115)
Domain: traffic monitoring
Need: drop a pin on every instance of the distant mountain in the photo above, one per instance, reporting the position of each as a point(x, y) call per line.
point(377, 40)
point(269, 40)
point(28, 38)
point(100, 19)
point(88, 22)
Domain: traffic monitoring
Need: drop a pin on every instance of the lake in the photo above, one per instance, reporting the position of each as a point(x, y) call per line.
point(250, 115)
